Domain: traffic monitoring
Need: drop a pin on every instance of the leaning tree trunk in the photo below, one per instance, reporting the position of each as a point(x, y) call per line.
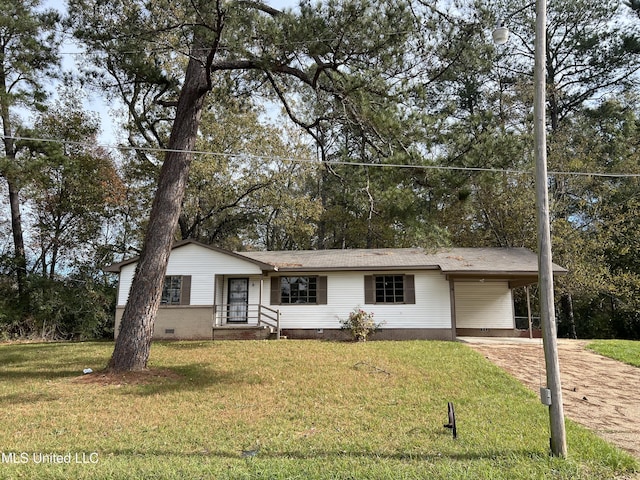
point(133, 343)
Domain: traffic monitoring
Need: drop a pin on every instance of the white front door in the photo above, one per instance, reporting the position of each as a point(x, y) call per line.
point(238, 300)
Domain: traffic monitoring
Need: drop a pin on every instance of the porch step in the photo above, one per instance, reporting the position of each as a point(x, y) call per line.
point(241, 332)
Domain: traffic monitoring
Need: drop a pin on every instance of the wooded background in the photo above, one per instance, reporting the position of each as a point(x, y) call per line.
point(339, 124)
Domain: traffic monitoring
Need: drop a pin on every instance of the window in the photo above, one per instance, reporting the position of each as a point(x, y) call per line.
point(298, 290)
point(389, 289)
point(176, 290)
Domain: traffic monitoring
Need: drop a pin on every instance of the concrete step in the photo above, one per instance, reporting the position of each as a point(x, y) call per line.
point(241, 332)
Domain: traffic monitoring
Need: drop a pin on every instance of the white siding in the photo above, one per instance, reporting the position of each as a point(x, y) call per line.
point(126, 277)
point(199, 262)
point(484, 305)
point(345, 291)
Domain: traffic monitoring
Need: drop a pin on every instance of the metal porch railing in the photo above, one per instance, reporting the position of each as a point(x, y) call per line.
point(249, 315)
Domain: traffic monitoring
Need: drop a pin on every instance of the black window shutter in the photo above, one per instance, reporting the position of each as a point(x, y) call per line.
point(275, 291)
point(321, 290)
point(409, 289)
point(185, 294)
point(369, 289)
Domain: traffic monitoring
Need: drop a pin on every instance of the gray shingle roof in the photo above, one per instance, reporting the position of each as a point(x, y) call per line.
point(508, 262)
point(344, 259)
point(454, 260)
point(480, 260)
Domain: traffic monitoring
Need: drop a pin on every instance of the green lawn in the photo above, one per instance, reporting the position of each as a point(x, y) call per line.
point(627, 351)
point(370, 410)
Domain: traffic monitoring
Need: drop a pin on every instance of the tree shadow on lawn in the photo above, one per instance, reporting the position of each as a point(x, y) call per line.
point(24, 362)
point(51, 373)
point(152, 381)
point(45, 361)
point(267, 454)
point(26, 349)
point(24, 398)
point(143, 383)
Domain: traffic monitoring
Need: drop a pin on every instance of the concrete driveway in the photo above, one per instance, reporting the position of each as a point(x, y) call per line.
point(599, 393)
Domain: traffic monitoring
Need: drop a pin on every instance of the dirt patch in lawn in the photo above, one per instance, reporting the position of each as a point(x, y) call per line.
point(597, 392)
point(143, 377)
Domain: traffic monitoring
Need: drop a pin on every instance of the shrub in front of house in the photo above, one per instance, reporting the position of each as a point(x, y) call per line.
point(360, 324)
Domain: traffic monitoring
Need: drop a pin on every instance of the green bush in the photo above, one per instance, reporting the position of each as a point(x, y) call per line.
point(72, 308)
point(361, 324)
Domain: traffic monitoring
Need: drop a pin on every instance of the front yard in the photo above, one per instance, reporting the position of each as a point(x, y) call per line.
point(627, 351)
point(280, 409)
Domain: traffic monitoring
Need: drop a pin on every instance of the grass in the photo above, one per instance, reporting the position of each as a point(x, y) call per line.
point(315, 410)
point(627, 351)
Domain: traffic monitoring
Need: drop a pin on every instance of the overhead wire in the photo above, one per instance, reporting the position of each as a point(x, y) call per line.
point(332, 162)
point(366, 164)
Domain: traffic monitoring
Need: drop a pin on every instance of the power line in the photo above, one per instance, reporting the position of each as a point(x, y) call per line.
point(167, 49)
point(332, 162)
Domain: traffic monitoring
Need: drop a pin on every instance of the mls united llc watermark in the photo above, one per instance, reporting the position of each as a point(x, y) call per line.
point(49, 458)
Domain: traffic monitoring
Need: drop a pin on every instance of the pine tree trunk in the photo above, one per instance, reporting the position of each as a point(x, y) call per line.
point(18, 239)
point(133, 343)
point(14, 191)
point(567, 303)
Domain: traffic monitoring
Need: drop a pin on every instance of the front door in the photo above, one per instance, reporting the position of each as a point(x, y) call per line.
point(238, 300)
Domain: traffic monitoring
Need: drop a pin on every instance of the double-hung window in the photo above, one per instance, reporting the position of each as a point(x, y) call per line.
point(389, 289)
point(298, 290)
point(176, 290)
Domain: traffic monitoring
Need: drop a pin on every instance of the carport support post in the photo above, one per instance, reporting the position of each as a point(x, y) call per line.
point(526, 290)
point(547, 309)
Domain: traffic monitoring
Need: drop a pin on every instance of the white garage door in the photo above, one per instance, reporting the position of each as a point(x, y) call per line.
point(483, 305)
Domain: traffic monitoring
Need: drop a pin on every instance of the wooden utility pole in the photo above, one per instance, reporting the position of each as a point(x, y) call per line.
point(545, 267)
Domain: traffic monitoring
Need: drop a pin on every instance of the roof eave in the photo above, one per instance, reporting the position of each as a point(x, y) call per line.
point(498, 273)
point(265, 267)
point(515, 279)
point(281, 268)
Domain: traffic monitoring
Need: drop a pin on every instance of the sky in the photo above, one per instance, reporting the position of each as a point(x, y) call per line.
point(71, 54)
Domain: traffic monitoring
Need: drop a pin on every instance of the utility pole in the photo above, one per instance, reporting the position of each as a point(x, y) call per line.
point(552, 395)
point(545, 267)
